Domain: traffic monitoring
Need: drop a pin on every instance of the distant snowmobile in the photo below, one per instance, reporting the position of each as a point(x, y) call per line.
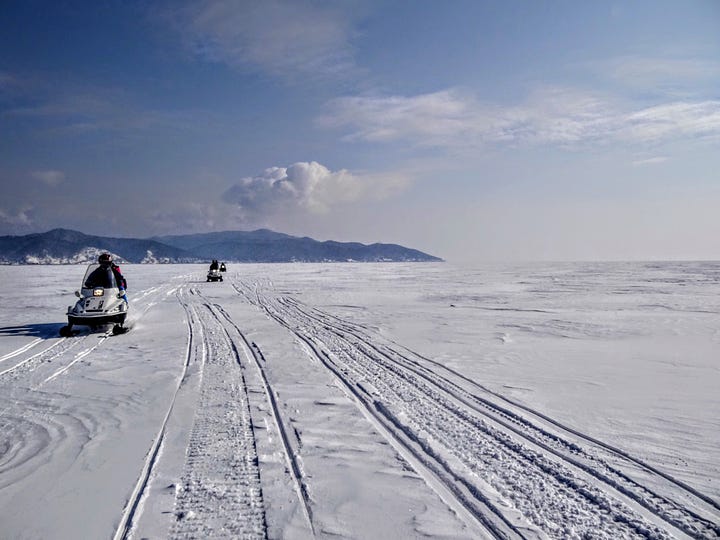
point(100, 302)
point(214, 275)
point(222, 267)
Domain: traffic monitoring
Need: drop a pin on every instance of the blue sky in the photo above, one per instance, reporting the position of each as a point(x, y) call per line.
point(473, 130)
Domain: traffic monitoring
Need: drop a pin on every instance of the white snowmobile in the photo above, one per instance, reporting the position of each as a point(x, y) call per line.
point(101, 302)
point(214, 275)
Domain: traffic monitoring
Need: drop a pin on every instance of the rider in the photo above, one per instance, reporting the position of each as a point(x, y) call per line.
point(100, 276)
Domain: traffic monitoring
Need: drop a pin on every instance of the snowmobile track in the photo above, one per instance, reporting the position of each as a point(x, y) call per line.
point(254, 352)
point(516, 454)
point(56, 349)
point(544, 418)
point(21, 350)
point(220, 492)
point(473, 507)
point(596, 465)
point(203, 335)
point(125, 526)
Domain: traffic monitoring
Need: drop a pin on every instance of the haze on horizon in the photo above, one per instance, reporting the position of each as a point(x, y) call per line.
point(471, 130)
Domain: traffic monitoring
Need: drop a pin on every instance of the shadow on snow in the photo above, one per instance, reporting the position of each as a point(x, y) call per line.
point(42, 330)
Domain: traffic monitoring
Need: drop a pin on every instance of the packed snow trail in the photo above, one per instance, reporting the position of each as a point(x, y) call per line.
point(220, 494)
point(218, 491)
point(254, 352)
point(559, 487)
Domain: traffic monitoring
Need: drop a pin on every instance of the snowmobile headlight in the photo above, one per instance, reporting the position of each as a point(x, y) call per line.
point(98, 292)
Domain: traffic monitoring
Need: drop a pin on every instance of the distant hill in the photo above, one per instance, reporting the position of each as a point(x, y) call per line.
point(63, 246)
point(264, 245)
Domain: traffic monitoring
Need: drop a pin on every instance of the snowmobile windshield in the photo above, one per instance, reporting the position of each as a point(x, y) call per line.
point(99, 276)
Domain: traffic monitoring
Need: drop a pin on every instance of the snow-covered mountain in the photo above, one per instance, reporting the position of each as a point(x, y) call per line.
point(62, 246)
point(264, 245)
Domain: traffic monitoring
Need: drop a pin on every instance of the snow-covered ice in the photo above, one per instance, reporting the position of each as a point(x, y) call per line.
point(295, 401)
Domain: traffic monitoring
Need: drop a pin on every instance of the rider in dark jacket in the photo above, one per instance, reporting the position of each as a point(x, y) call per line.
point(100, 277)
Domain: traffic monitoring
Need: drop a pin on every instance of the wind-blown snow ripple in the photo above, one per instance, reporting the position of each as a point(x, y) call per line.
point(24, 445)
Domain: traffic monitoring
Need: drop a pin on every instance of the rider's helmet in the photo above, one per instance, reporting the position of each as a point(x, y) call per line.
point(105, 259)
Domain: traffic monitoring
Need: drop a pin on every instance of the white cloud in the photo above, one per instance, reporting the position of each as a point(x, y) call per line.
point(281, 37)
point(671, 120)
point(50, 178)
point(306, 188)
point(434, 119)
point(452, 119)
point(17, 222)
point(650, 161)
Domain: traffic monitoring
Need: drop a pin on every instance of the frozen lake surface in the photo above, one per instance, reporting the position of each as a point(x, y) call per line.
point(366, 401)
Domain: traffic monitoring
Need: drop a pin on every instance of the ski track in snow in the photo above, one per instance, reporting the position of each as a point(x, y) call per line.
point(506, 470)
point(562, 483)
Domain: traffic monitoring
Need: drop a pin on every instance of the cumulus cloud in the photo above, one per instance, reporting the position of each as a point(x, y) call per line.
point(307, 187)
point(284, 38)
point(50, 178)
point(17, 222)
point(453, 119)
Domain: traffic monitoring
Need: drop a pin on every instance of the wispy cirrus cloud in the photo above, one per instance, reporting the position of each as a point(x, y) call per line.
point(75, 108)
point(455, 119)
point(280, 37)
point(671, 120)
point(49, 177)
point(650, 161)
point(452, 118)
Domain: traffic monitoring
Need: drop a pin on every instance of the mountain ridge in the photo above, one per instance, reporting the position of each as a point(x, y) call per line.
point(67, 246)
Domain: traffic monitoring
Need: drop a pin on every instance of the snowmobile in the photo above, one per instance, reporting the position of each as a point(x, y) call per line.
point(222, 267)
point(101, 302)
point(214, 275)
